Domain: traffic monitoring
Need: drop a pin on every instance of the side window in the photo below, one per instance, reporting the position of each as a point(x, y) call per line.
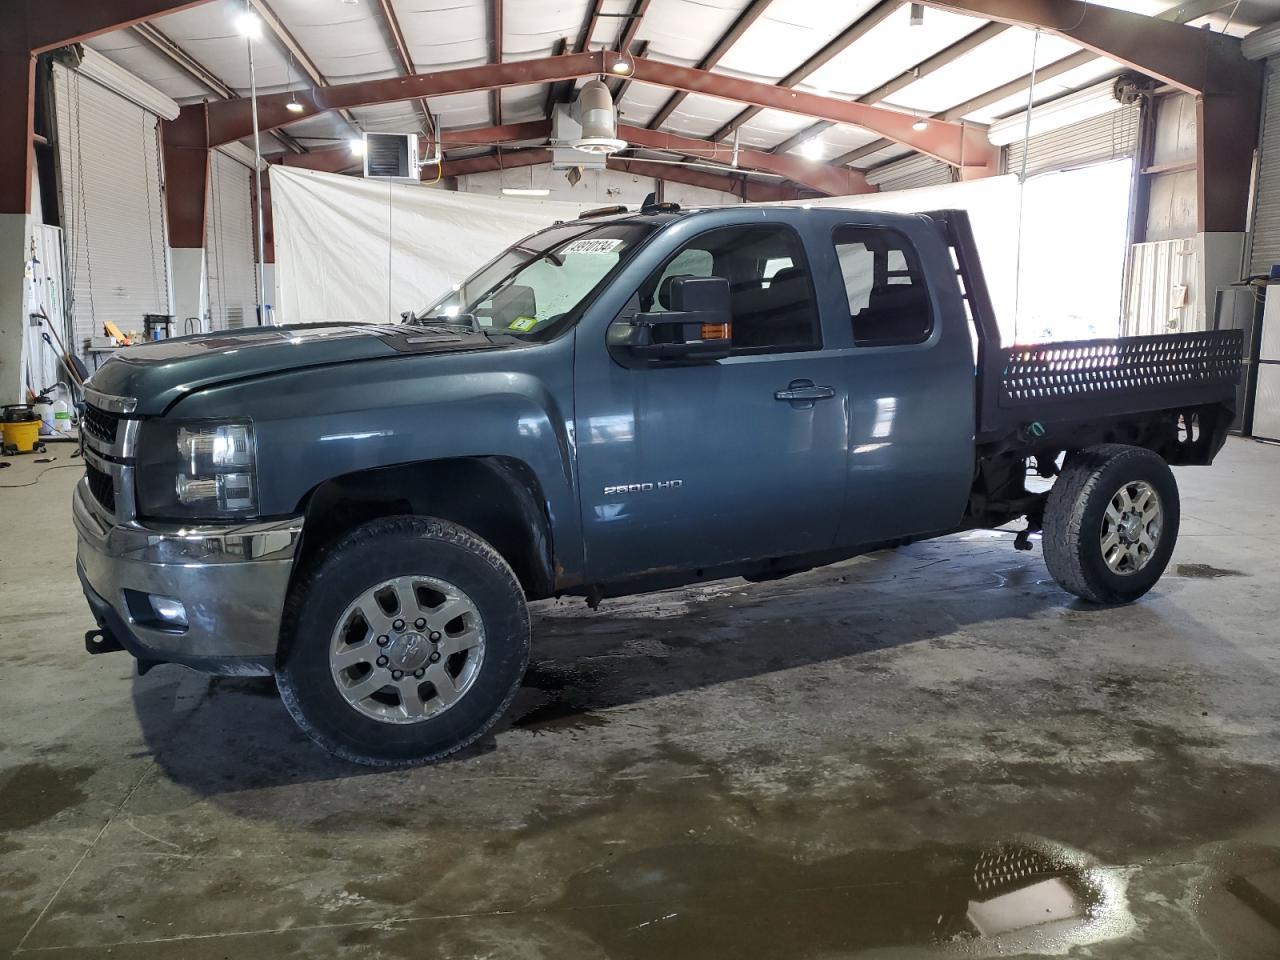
point(888, 299)
point(771, 295)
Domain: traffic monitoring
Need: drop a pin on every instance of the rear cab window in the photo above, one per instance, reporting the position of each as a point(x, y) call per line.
point(885, 287)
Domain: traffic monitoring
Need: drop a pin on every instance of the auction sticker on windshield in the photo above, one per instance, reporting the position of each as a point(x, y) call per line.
point(523, 324)
point(596, 246)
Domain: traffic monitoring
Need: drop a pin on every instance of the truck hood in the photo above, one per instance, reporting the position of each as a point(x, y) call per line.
point(158, 374)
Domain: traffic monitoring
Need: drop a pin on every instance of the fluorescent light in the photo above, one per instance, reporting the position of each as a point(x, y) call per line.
point(525, 192)
point(248, 25)
point(813, 148)
point(920, 125)
point(357, 148)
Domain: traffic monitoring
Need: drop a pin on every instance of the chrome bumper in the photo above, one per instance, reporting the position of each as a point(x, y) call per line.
point(232, 581)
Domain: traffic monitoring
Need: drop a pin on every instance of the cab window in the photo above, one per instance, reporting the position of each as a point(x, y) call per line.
point(888, 299)
point(771, 294)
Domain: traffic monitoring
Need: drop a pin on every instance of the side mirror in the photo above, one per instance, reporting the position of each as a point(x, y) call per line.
point(699, 325)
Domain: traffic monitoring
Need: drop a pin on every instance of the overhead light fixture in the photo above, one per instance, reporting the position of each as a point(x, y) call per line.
point(621, 67)
point(526, 192)
point(920, 125)
point(293, 106)
point(249, 25)
point(357, 147)
point(813, 149)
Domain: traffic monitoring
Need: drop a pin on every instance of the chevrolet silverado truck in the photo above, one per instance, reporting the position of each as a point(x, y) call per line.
point(622, 403)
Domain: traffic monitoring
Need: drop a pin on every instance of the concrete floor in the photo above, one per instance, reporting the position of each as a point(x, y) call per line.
point(869, 759)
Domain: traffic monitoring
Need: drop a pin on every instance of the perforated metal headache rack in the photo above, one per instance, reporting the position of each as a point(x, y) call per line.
point(1084, 379)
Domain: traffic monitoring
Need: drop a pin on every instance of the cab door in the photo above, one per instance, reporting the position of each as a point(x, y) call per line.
point(696, 465)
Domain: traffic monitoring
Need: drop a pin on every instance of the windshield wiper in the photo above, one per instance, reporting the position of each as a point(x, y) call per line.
point(544, 254)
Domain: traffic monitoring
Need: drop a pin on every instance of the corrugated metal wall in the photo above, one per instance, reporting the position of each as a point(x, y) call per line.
point(1172, 199)
point(1108, 137)
point(1163, 293)
point(1264, 239)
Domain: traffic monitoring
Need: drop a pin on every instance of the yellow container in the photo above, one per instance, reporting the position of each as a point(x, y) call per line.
point(22, 435)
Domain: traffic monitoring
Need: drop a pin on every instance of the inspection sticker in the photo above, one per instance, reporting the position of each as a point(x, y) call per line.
point(523, 324)
point(598, 245)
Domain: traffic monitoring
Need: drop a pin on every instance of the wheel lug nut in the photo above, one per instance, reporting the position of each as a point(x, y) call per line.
point(420, 623)
point(399, 624)
point(420, 673)
point(435, 656)
point(396, 674)
point(383, 661)
point(435, 636)
point(383, 640)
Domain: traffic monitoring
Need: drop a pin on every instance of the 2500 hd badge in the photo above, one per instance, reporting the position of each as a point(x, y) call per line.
point(642, 487)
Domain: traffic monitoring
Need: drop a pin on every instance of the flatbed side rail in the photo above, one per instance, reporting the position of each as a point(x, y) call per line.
point(1084, 379)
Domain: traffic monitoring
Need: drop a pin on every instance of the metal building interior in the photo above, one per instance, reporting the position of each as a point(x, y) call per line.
point(914, 744)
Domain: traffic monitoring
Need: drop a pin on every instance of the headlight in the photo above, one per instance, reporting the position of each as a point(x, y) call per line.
point(197, 470)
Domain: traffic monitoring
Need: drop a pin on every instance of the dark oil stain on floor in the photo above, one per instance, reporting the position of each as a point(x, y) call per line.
point(34, 792)
point(1204, 571)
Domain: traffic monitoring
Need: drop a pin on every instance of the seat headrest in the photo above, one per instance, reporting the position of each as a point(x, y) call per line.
point(786, 277)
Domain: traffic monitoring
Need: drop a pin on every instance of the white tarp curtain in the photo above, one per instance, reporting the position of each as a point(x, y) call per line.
point(354, 249)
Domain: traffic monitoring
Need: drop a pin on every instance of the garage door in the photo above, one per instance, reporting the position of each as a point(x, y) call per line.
point(1264, 241)
point(1109, 137)
point(229, 245)
point(112, 206)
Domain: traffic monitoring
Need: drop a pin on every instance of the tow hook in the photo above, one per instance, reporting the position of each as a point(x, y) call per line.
point(101, 641)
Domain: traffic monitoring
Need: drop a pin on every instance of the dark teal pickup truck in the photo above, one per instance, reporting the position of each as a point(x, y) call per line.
point(618, 404)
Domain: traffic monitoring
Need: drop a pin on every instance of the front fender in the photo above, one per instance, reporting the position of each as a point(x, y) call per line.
point(316, 424)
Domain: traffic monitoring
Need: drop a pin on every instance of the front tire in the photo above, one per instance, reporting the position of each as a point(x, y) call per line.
point(404, 644)
point(1111, 523)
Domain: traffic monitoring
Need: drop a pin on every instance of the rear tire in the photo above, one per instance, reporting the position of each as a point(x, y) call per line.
point(404, 644)
point(1110, 523)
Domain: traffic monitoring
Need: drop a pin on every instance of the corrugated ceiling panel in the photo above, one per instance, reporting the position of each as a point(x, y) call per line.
point(891, 47)
point(641, 102)
point(444, 33)
point(609, 25)
point(531, 29)
point(130, 51)
point(788, 34)
point(208, 33)
point(461, 109)
point(523, 103)
point(1002, 58)
point(683, 31)
point(344, 40)
point(770, 127)
point(1049, 89)
point(701, 116)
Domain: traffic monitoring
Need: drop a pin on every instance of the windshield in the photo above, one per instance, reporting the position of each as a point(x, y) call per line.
point(542, 280)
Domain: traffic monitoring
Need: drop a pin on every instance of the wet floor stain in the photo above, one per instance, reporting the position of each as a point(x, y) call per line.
point(35, 792)
point(1204, 571)
point(558, 715)
point(1238, 905)
point(701, 900)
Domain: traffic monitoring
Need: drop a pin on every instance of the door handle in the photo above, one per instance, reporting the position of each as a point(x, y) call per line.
point(802, 390)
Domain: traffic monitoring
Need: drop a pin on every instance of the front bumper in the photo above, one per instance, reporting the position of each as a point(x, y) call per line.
point(232, 581)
